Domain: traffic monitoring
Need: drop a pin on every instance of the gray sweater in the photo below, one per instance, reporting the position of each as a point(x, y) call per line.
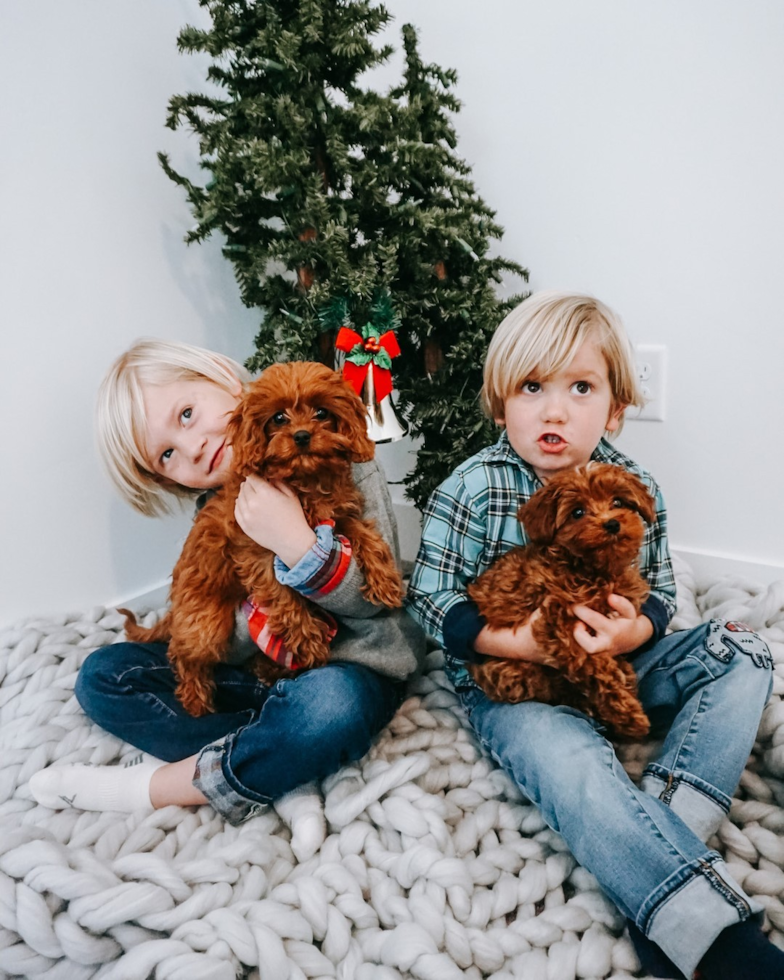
point(387, 640)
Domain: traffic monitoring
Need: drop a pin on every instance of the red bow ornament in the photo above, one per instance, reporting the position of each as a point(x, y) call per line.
point(367, 350)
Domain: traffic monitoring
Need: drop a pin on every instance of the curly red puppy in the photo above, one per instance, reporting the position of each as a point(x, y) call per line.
point(299, 424)
point(585, 527)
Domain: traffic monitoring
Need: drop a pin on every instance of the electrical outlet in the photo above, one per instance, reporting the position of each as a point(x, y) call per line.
point(651, 367)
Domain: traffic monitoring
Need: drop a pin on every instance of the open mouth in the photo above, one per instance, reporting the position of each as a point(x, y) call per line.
point(551, 442)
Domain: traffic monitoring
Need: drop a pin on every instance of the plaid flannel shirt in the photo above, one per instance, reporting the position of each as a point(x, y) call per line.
point(471, 519)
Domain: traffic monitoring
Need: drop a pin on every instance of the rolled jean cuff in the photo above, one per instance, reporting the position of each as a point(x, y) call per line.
point(686, 914)
point(700, 806)
point(223, 793)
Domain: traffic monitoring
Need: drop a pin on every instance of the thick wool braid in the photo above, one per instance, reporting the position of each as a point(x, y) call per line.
point(428, 863)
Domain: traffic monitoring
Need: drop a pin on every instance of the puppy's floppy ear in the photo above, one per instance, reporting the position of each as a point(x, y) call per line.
point(351, 419)
point(539, 514)
point(245, 430)
point(635, 491)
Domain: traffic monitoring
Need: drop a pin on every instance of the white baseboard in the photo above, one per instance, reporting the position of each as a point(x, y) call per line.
point(154, 598)
point(709, 566)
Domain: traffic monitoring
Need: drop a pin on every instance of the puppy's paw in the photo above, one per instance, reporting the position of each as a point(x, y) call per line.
point(196, 701)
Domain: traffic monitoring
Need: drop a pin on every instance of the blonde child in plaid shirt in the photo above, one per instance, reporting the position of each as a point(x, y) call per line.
point(559, 376)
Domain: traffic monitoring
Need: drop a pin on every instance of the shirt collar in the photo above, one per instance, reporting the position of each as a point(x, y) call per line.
point(503, 452)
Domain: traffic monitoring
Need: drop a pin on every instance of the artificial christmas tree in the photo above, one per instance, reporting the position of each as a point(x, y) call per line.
point(327, 191)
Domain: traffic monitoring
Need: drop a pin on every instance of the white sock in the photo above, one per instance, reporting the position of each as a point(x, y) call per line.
point(302, 810)
point(122, 788)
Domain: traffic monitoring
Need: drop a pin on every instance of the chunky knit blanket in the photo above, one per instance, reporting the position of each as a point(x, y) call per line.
point(422, 860)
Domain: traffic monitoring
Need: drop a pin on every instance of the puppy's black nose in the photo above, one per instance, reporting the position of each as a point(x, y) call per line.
point(302, 438)
point(612, 526)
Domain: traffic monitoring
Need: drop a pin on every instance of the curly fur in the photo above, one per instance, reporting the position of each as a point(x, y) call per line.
point(586, 527)
point(299, 424)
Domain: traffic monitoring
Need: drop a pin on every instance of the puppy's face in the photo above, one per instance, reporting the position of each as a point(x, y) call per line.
point(297, 420)
point(596, 512)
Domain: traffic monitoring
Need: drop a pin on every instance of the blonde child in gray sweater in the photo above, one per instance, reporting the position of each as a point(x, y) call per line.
point(162, 415)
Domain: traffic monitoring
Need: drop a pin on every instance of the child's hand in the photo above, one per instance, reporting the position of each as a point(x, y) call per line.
point(620, 632)
point(271, 515)
point(512, 644)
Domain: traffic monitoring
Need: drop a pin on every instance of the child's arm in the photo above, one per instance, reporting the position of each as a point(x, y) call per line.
point(317, 563)
point(385, 640)
point(517, 644)
point(453, 533)
point(454, 536)
point(656, 569)
point(342, 594)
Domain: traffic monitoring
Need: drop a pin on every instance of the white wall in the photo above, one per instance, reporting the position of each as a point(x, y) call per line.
point(636, 151)
point(632, 150)
point(91, 257)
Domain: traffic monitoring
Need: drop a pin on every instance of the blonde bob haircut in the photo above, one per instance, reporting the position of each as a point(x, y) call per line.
point(541, 336)
point(121, 421)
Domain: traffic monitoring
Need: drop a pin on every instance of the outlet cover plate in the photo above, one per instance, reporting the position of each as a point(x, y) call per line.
point(651, 366)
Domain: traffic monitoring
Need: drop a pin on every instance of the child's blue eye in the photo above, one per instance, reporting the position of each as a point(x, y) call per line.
point(186, 413)
point(166, 454)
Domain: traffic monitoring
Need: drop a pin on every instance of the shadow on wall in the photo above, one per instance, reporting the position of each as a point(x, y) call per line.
point(397, 459)
point(206, 281)
point(144, 549)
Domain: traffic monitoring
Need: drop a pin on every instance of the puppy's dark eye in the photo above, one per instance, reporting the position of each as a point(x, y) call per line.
point(578, 512)
point(321, 414)
point(279, 418)
point(618, 502)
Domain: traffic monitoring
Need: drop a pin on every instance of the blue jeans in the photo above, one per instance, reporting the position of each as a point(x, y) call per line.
point(646, 845)
point(260, 743)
